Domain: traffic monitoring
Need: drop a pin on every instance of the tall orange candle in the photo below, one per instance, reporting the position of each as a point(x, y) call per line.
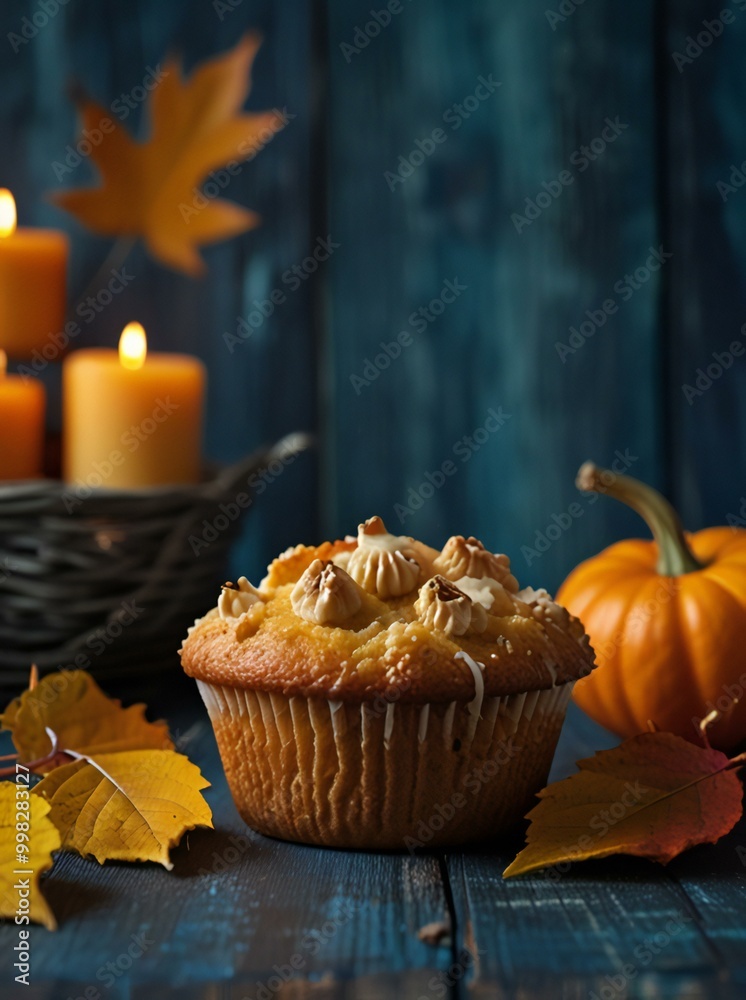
point(33, 277)
point(22, 406)
point(131, 418)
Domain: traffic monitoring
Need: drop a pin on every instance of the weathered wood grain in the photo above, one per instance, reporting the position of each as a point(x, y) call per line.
point(715, 882)
point(623, 926)
point(240, 909)
point(619, 918)
point(706, 211)
point(451, 217)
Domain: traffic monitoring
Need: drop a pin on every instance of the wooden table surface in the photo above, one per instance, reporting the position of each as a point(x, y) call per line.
point(249, 918)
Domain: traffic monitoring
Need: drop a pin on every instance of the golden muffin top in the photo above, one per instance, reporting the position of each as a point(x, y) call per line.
point(384, 614)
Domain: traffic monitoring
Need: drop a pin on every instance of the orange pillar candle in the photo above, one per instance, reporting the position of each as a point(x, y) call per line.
point(22, 406)
point(131, 418)
point(33, 278)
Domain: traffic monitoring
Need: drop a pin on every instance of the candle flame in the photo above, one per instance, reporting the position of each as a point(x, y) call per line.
point(133, 346)
point(3, 363)
point(7, 213)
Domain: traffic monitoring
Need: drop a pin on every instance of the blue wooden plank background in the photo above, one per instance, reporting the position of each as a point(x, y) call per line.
point(534, 160)
point(706, 89)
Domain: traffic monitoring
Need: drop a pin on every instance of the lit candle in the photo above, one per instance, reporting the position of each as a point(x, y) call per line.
point(131, 418)
point(33, 275)
point(22, 405)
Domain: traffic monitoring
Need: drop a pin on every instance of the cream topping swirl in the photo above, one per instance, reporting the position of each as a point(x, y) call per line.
point(543, 607)
point(235, 600)
point(468, 557)
point(441, 605)
point(383, 564)
point(325, 594)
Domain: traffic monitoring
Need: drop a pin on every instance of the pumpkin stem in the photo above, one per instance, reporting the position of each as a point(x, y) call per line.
point(674, 555)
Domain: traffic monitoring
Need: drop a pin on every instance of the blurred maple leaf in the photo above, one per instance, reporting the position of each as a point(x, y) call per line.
point(151, 189)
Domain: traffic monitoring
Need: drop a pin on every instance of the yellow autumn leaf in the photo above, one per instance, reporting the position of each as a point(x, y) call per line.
point(82, 717)
point(22, 861)
point(130, 806)
point(151, 189)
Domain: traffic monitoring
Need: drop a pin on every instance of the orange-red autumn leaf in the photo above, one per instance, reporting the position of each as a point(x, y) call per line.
point(27, 839)
point(151, 189)
point(654, 796)
point(82, 718)
point(131, 806)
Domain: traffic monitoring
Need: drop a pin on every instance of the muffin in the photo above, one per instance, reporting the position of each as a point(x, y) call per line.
point(377, 693)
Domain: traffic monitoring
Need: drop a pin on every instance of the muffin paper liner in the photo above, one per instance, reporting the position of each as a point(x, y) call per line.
point(384, 774)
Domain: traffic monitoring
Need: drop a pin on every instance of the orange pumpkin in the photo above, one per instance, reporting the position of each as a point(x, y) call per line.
point(667, 619)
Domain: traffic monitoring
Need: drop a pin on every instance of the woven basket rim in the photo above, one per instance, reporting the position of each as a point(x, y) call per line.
point(156, 578)
point(215, 475)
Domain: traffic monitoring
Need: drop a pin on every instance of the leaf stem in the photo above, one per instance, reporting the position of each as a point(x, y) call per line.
point(55, 757)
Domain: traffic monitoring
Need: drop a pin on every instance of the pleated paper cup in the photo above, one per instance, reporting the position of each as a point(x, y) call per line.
point(384, 775)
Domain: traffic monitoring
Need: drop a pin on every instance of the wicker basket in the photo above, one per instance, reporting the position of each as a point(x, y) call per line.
point(111, 582)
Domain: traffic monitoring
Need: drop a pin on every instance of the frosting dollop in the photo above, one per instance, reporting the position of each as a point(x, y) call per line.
point(325, 594)
point(443, 606)
point(236, 599)
point(468, 557)
point(489, 593)
point(542, 606)
point(383, 564)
